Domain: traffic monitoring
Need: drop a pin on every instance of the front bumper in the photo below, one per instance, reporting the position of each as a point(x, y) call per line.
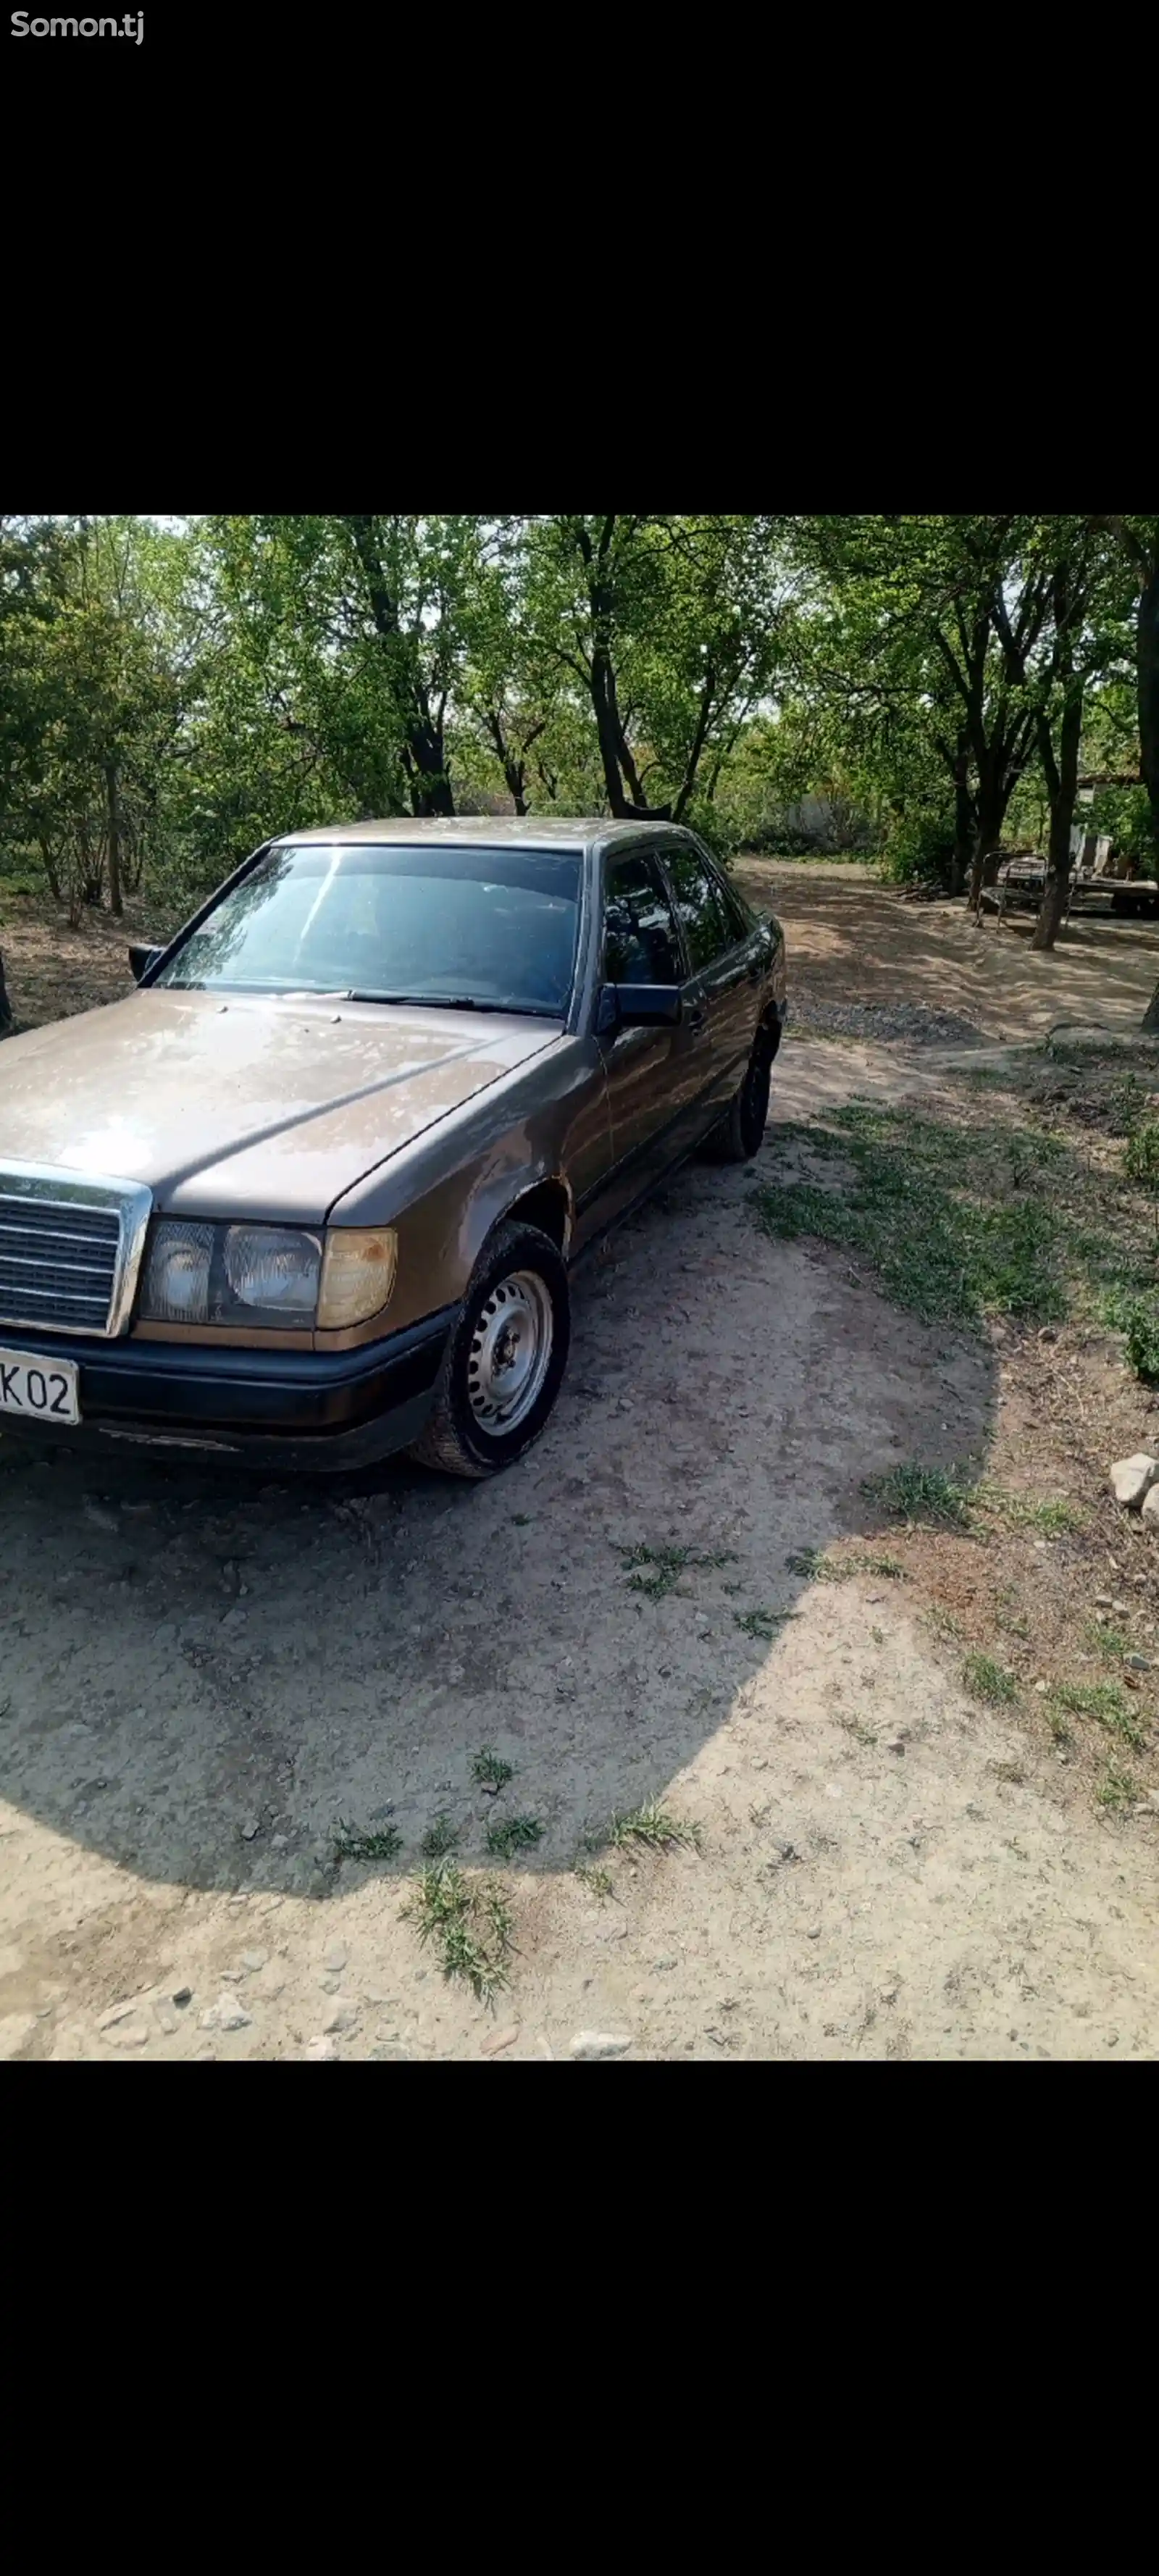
point(295, 1411)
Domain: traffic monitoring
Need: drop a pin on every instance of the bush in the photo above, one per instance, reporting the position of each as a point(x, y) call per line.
point(1137, 1318)
point(919, 850)
point(1141, 1160)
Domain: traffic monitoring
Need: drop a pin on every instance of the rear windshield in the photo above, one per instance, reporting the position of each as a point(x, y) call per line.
point(495, 929)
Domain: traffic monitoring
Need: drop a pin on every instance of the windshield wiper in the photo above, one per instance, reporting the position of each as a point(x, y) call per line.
point(459, 1002)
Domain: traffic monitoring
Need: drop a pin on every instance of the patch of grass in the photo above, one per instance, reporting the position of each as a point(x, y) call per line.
point(440, 1838)
point(598, 1881)
point(653, 1828)
point(1110, 1642)
point(920, 1495)
point(1062, 1733)
point(957, 1224)
point(1052, 1519)
point(986, 1680)
point(468, 1921)
point(490, 1772)
point(384, 1845)
point(658, 1569)
point(1117, 1788)
point(515, 1834)
point(821, 1567)
point(861, 1733)
point(1137, 1318)
point(1141, 1160)
point(944, 1623)
point(761, 1624)
point(1107, 1704)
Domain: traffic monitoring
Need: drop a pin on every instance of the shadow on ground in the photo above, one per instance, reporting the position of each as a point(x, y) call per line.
point(853, 940)
point(207, 1680)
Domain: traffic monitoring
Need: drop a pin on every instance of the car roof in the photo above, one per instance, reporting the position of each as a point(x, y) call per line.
point(571, 832)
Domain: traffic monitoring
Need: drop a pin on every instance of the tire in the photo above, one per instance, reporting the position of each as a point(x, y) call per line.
point(739, 1134)
point(520, 1282)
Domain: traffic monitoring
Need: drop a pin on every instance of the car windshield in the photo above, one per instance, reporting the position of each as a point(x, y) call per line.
point(483, 929)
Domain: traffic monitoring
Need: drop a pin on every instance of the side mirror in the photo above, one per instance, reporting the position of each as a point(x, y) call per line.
point(638, 1006)
point(141, 959)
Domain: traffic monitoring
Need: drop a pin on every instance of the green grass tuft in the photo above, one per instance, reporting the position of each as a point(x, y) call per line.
point(986, 1680)
point(653, 1828)
point(1117, 1789)
point(515, 1834)
point(440, 1838)
point(1141, 1160)
point(384, 1845)
point(921, 1495)
point(1107, 1704)
point(490, 1772)
point(761, 1624)
point(821, 1567)
point(468, 1921)
point(598, 1881)
point(658, 1569)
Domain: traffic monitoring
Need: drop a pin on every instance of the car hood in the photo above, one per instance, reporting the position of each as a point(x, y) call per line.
point(254, 1106)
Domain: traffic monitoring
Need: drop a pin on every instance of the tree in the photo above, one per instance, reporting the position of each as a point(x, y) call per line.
point(668, 629)
point(918, 642)
point(1137, 541)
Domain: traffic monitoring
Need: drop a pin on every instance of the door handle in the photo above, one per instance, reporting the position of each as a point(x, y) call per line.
point(696, 1018)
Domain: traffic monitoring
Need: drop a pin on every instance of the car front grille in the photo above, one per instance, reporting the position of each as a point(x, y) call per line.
point(69, 1250)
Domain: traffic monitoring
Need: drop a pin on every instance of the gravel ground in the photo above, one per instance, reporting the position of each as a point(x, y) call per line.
point(909, 1024)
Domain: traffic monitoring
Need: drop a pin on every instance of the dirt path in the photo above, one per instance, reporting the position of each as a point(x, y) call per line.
point(854, 941)
point(209, 1687)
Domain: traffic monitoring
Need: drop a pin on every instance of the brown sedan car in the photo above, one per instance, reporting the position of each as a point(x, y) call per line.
point(311, 1195)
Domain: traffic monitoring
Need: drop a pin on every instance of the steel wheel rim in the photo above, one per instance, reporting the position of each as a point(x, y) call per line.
point(510, 1353)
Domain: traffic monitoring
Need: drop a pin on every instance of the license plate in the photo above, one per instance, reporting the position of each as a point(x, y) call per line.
point(39, 1390)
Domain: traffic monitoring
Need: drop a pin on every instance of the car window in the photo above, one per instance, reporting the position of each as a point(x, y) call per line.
point(707, 929)
point(640, 942)
point(491, 927)
point(739, 924)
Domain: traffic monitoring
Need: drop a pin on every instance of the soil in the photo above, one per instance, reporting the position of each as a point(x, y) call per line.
point(212, 1686)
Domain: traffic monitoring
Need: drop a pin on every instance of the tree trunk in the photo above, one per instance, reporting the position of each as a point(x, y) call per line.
point(422, 746)
point(1147, 632)
point(51, 870)
point(514, 770)
point(1148, 650)
point(1062, 783)
point(963, 822)
point(990, 814)
point(116, 903)
point(5, 1006)
point(607, 731)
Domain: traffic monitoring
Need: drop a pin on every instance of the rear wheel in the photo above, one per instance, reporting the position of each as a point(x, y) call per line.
point(738, 1136)
point(505, 1360)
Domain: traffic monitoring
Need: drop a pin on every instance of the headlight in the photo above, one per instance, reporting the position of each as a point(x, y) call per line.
point(177, 1279)
point(232, 1274)
point(358, 1269)
point(272, 1268)
point(267, 1275)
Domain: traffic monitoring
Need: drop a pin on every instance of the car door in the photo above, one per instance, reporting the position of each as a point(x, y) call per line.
point(648, 1069)
point(724, 967)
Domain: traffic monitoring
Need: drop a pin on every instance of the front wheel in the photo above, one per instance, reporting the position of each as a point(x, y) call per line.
point(505, 1359)
point(738, 1135)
